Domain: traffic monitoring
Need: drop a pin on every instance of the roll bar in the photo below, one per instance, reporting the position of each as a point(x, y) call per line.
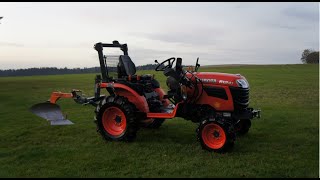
point(103, 65)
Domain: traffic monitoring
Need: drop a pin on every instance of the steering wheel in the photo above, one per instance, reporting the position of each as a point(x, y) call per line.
point(167, 66)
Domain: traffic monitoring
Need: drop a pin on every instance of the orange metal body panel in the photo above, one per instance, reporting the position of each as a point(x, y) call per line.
point(55, 96)
point(123, 90)
point(140, 101)
point(220, 78)
point(217, 103)
point(214, 79)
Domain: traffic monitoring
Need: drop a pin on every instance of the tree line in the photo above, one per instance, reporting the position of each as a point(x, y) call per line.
point(308, 56)
point(56, 71)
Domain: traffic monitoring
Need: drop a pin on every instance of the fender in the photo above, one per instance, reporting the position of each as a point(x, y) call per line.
point(122, 90)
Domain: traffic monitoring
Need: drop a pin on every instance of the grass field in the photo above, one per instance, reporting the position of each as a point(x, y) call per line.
point(283, 143)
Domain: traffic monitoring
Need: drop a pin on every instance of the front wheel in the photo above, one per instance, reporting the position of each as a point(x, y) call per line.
point(215, 136)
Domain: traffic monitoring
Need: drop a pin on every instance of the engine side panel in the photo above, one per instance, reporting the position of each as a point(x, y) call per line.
point(220, 100)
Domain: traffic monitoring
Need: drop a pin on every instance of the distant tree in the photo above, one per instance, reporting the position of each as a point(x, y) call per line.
point(313, 58)
point(310, 56)
point(304, 56)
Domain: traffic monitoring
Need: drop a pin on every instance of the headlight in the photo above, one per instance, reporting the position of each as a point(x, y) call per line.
point(184, 94)
point(242, 83)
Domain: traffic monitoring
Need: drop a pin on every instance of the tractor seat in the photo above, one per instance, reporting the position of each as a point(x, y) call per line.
point(126, 75)
point(125, 66)
point(127, 69)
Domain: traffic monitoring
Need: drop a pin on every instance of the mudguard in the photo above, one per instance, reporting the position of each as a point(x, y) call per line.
point(122, 90)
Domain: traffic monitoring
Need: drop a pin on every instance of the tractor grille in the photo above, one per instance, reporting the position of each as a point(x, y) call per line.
point(240, 98)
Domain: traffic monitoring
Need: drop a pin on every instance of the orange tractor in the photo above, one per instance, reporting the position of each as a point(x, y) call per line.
point(218, 102)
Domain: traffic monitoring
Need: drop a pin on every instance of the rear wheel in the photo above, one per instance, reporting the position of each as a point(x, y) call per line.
point(116, 119)
point(214, 136)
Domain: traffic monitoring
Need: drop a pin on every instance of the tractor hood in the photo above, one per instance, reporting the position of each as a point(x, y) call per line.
point(225, 79)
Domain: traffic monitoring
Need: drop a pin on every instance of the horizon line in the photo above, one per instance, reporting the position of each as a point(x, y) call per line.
point(248, 64)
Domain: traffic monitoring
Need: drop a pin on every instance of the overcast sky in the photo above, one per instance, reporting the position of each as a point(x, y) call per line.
point(61, 34)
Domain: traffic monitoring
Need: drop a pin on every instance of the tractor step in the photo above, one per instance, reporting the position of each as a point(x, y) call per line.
point(51, 112)
point(168, 109)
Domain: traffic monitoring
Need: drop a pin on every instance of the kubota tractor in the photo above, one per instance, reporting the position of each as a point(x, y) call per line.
point(218, 102)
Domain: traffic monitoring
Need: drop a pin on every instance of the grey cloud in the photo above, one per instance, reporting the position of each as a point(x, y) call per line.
point(294, 17)
point(218, 56)
point(283, 25)
point(147, 56)
point(195, 36)
point(11, 44)
point(144, 51)
point(303, 13)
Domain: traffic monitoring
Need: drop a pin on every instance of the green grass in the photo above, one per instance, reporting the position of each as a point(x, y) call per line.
point(283, 143)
